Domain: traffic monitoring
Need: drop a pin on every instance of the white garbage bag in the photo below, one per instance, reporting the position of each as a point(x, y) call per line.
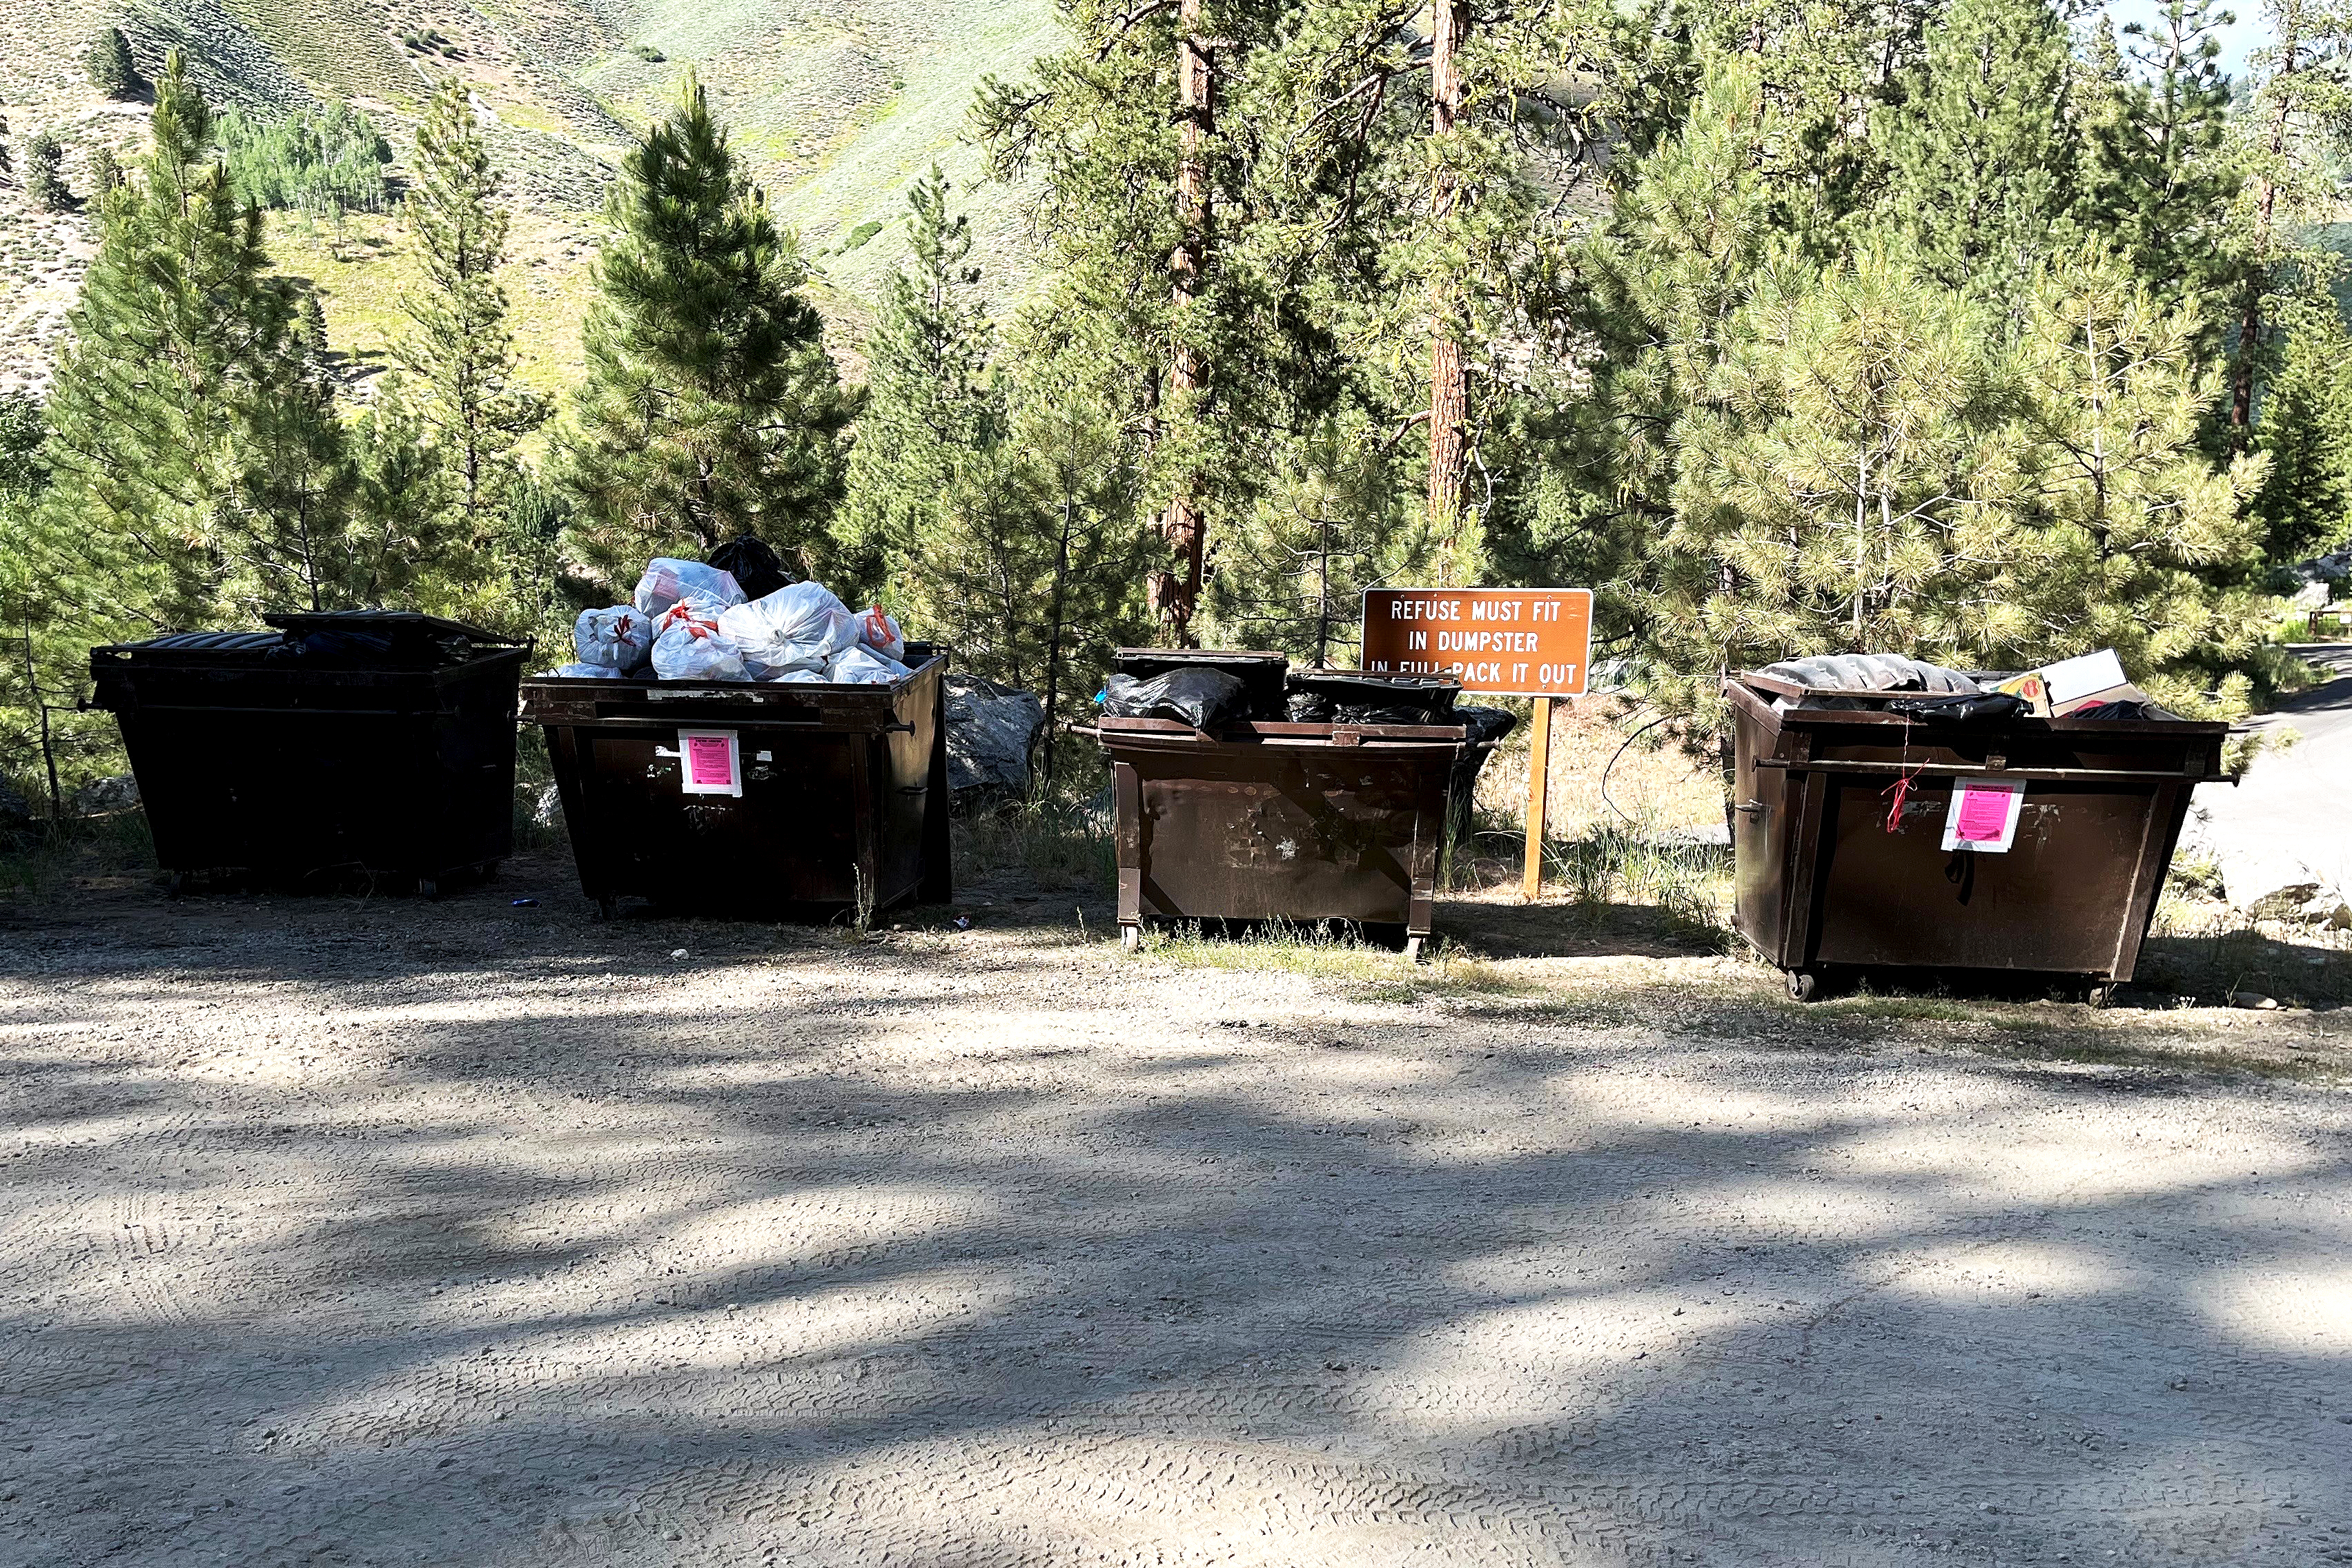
point(619, 638)
point(800, 626)
point(791, 676)
point(877, 630)
point(587, 672)
point(667, 582)
point(861, 666)
point(692, 647)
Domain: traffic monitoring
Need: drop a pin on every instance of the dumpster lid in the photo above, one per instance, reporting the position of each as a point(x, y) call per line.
point(1150, 661)
point(381, 622)
point(199, 642)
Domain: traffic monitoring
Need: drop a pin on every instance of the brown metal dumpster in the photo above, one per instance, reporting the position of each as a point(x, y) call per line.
point(1268, 821)
point(838, 796)
point(1837, 869)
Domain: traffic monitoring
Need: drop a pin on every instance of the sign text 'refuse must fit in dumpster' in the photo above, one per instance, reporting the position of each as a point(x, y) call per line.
point(1501, 642)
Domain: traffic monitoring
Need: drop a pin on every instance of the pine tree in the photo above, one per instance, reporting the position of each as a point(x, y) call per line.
point(1332, 523)
point(2131, 538)
point(286, 542)
point(2305, 429)
point(458, 344)
point(1840, 490)
point(44, 155)
point(1032, 573)
point(112, 70)
point(1982, 150)
point(177, 356)
point(2300, 90)
point(2156, 183)
point(931, 401)
point(710, 407)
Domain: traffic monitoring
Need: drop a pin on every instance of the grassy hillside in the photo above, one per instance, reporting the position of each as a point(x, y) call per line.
point(837, 107)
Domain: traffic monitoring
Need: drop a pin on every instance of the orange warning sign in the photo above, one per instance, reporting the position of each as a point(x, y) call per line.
point(1501, 642)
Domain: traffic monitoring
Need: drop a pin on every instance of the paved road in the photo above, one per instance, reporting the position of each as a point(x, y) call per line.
point(380, 1234)
point(2291, 820)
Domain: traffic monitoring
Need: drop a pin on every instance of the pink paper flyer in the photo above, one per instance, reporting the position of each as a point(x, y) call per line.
point(710, 762)
point(1983, 814)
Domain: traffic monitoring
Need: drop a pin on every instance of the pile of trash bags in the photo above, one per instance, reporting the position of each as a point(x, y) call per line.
point(690, 620)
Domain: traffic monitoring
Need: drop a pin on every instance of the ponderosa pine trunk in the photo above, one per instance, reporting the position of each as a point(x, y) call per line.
point(1175, 591)
point(2250, 324)
point(1449, 391)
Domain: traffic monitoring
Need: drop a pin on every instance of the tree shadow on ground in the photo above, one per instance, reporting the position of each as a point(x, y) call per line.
point(806, 1251)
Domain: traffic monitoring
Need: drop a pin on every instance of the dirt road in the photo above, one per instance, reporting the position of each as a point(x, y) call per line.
point(337, 1233)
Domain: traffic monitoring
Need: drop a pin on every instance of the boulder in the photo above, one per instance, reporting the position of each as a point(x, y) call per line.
point(992, 731)
point(104, 797)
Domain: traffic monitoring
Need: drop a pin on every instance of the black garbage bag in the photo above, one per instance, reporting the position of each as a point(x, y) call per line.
point(1259, 673)
point(1367, 697)
point(756, 569)
point(2123, 707)
point(1307, 708)
point(1960, 707)
point(1204, 699)
point(1487, 725)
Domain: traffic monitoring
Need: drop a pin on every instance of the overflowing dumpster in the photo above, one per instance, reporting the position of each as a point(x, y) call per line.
point(1256, 816)
point(1946, 829)
point(365, 742)
point(780, 800)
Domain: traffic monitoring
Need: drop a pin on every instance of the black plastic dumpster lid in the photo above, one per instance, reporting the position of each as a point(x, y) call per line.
point(383, 622)
point(1151, 661)
point(199, 642)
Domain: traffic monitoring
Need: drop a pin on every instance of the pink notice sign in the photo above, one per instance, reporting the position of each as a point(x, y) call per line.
point(710, 762)
point(1983, 814)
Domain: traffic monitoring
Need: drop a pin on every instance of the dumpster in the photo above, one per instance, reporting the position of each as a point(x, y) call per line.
point(766, 799)
point(374, 741)
point(1849, 854)
point(1277, 820)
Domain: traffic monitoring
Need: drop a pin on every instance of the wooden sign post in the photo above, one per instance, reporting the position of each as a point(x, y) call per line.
point(1497, 642)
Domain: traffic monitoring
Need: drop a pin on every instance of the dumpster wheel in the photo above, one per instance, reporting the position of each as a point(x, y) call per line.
point(2099, 993)
point(1803, 985)
point(1130, 938)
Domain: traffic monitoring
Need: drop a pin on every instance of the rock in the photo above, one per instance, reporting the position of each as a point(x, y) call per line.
point(104, 797)
point(2326, 909)
point(991, 730)
point(2253, 999)
point(2279, 903)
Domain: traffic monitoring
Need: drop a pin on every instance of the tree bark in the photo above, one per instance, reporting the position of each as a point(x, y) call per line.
point(1175, 591)
point(2250, 324)
point(1449, 390)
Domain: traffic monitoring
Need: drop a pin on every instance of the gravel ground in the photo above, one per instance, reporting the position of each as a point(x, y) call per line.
point(337, 1232)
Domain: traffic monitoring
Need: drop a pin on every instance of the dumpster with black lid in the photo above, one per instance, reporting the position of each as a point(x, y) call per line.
point(1844, 806)
point(837, 798)
point(1268, 819)
point(369, 742)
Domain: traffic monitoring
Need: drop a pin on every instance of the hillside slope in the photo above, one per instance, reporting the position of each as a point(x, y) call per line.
point(836, 106)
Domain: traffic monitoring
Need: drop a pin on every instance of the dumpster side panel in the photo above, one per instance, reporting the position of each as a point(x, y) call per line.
point(284, 771)
point(2061, 899)
point(791, 837)
point(841, 786)
point(1760, 822)
point(1249, 832)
